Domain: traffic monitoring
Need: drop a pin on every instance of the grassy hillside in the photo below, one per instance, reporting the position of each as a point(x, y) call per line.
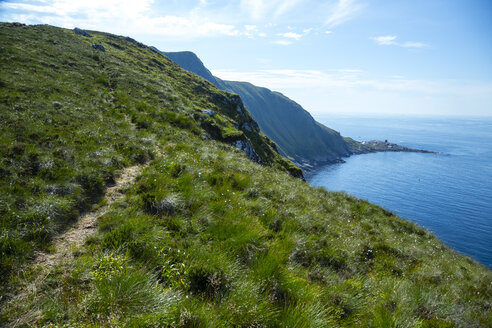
point(298, 136)
point(72, 116)
point(205, 237)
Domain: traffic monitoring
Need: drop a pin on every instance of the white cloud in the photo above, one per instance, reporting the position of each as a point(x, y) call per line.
point(282, 79)
point(337, 91)
point(328, 32)
point(67, 7)
point(119, 16)
point(255, 8)
point(291, 35)
point(247, 18)
point(252, 31)
point(284, 6)
point(338, 11)
point(283, 42)
point(414, 45)
point(349, 70)
point(258, 9)
point(28, 7)
point(343, 11)
point(387, 40)
point(185, 27)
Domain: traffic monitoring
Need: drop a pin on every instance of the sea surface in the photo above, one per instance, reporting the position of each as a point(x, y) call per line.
point(449, 193)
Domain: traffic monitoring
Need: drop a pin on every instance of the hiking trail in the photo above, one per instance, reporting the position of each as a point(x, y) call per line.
point(74, 238)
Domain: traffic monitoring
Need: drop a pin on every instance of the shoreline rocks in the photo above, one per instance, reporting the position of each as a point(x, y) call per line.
point(364, 147)
point(375, 146)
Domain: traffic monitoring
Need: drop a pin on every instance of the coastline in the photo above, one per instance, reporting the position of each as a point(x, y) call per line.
point(360, 148)
point(448, 193)
point(375, 146)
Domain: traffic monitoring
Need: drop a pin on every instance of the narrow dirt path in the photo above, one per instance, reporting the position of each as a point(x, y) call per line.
point(68, 243)
point(65, 243)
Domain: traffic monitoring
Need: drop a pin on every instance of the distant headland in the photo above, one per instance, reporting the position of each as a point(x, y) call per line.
point(374, 146)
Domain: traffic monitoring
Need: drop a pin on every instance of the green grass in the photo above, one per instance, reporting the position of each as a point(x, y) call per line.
point(72, 117)
point(205, 237)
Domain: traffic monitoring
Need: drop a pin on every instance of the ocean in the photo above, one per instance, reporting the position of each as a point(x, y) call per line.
point(448, 193)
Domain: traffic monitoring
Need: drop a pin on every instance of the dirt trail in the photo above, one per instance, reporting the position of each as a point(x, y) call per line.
point(86, 225)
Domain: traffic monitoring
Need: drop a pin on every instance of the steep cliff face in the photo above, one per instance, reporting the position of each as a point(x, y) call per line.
point(297, 135)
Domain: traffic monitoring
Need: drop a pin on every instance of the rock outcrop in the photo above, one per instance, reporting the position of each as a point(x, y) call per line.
point(81, 32)
point(98, 47)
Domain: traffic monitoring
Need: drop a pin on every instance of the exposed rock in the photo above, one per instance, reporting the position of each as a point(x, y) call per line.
point(247, 127)
point(240, 110)
point(139, 44)
point(57, 104)
point(98, 47)
point(246, 147)
point(81, 32)
point(237, 99)
point(209, 112)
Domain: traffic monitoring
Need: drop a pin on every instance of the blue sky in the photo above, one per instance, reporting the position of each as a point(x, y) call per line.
point(419, 57)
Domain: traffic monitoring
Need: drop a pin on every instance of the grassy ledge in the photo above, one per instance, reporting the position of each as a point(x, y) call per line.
point(205, 237)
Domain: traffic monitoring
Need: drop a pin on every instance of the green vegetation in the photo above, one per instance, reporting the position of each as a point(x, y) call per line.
point(205, 237)
point(297, 135)
point(66, 114)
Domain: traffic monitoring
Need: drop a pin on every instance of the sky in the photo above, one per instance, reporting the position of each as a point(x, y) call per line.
point(398, 57)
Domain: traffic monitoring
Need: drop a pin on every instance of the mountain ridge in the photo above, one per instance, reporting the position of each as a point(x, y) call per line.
point(297, 134)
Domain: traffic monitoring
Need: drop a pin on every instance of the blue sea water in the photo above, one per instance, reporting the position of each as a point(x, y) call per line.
point(449, 193)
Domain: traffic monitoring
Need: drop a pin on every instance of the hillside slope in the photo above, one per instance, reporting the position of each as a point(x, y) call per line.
point(73, 116)
point(205, 237)
point(298, 136)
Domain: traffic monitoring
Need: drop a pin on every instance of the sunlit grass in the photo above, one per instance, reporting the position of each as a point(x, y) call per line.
point(205, 237)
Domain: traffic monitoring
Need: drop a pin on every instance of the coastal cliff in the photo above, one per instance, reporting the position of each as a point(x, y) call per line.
point(296, 133)
point(135, 194)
